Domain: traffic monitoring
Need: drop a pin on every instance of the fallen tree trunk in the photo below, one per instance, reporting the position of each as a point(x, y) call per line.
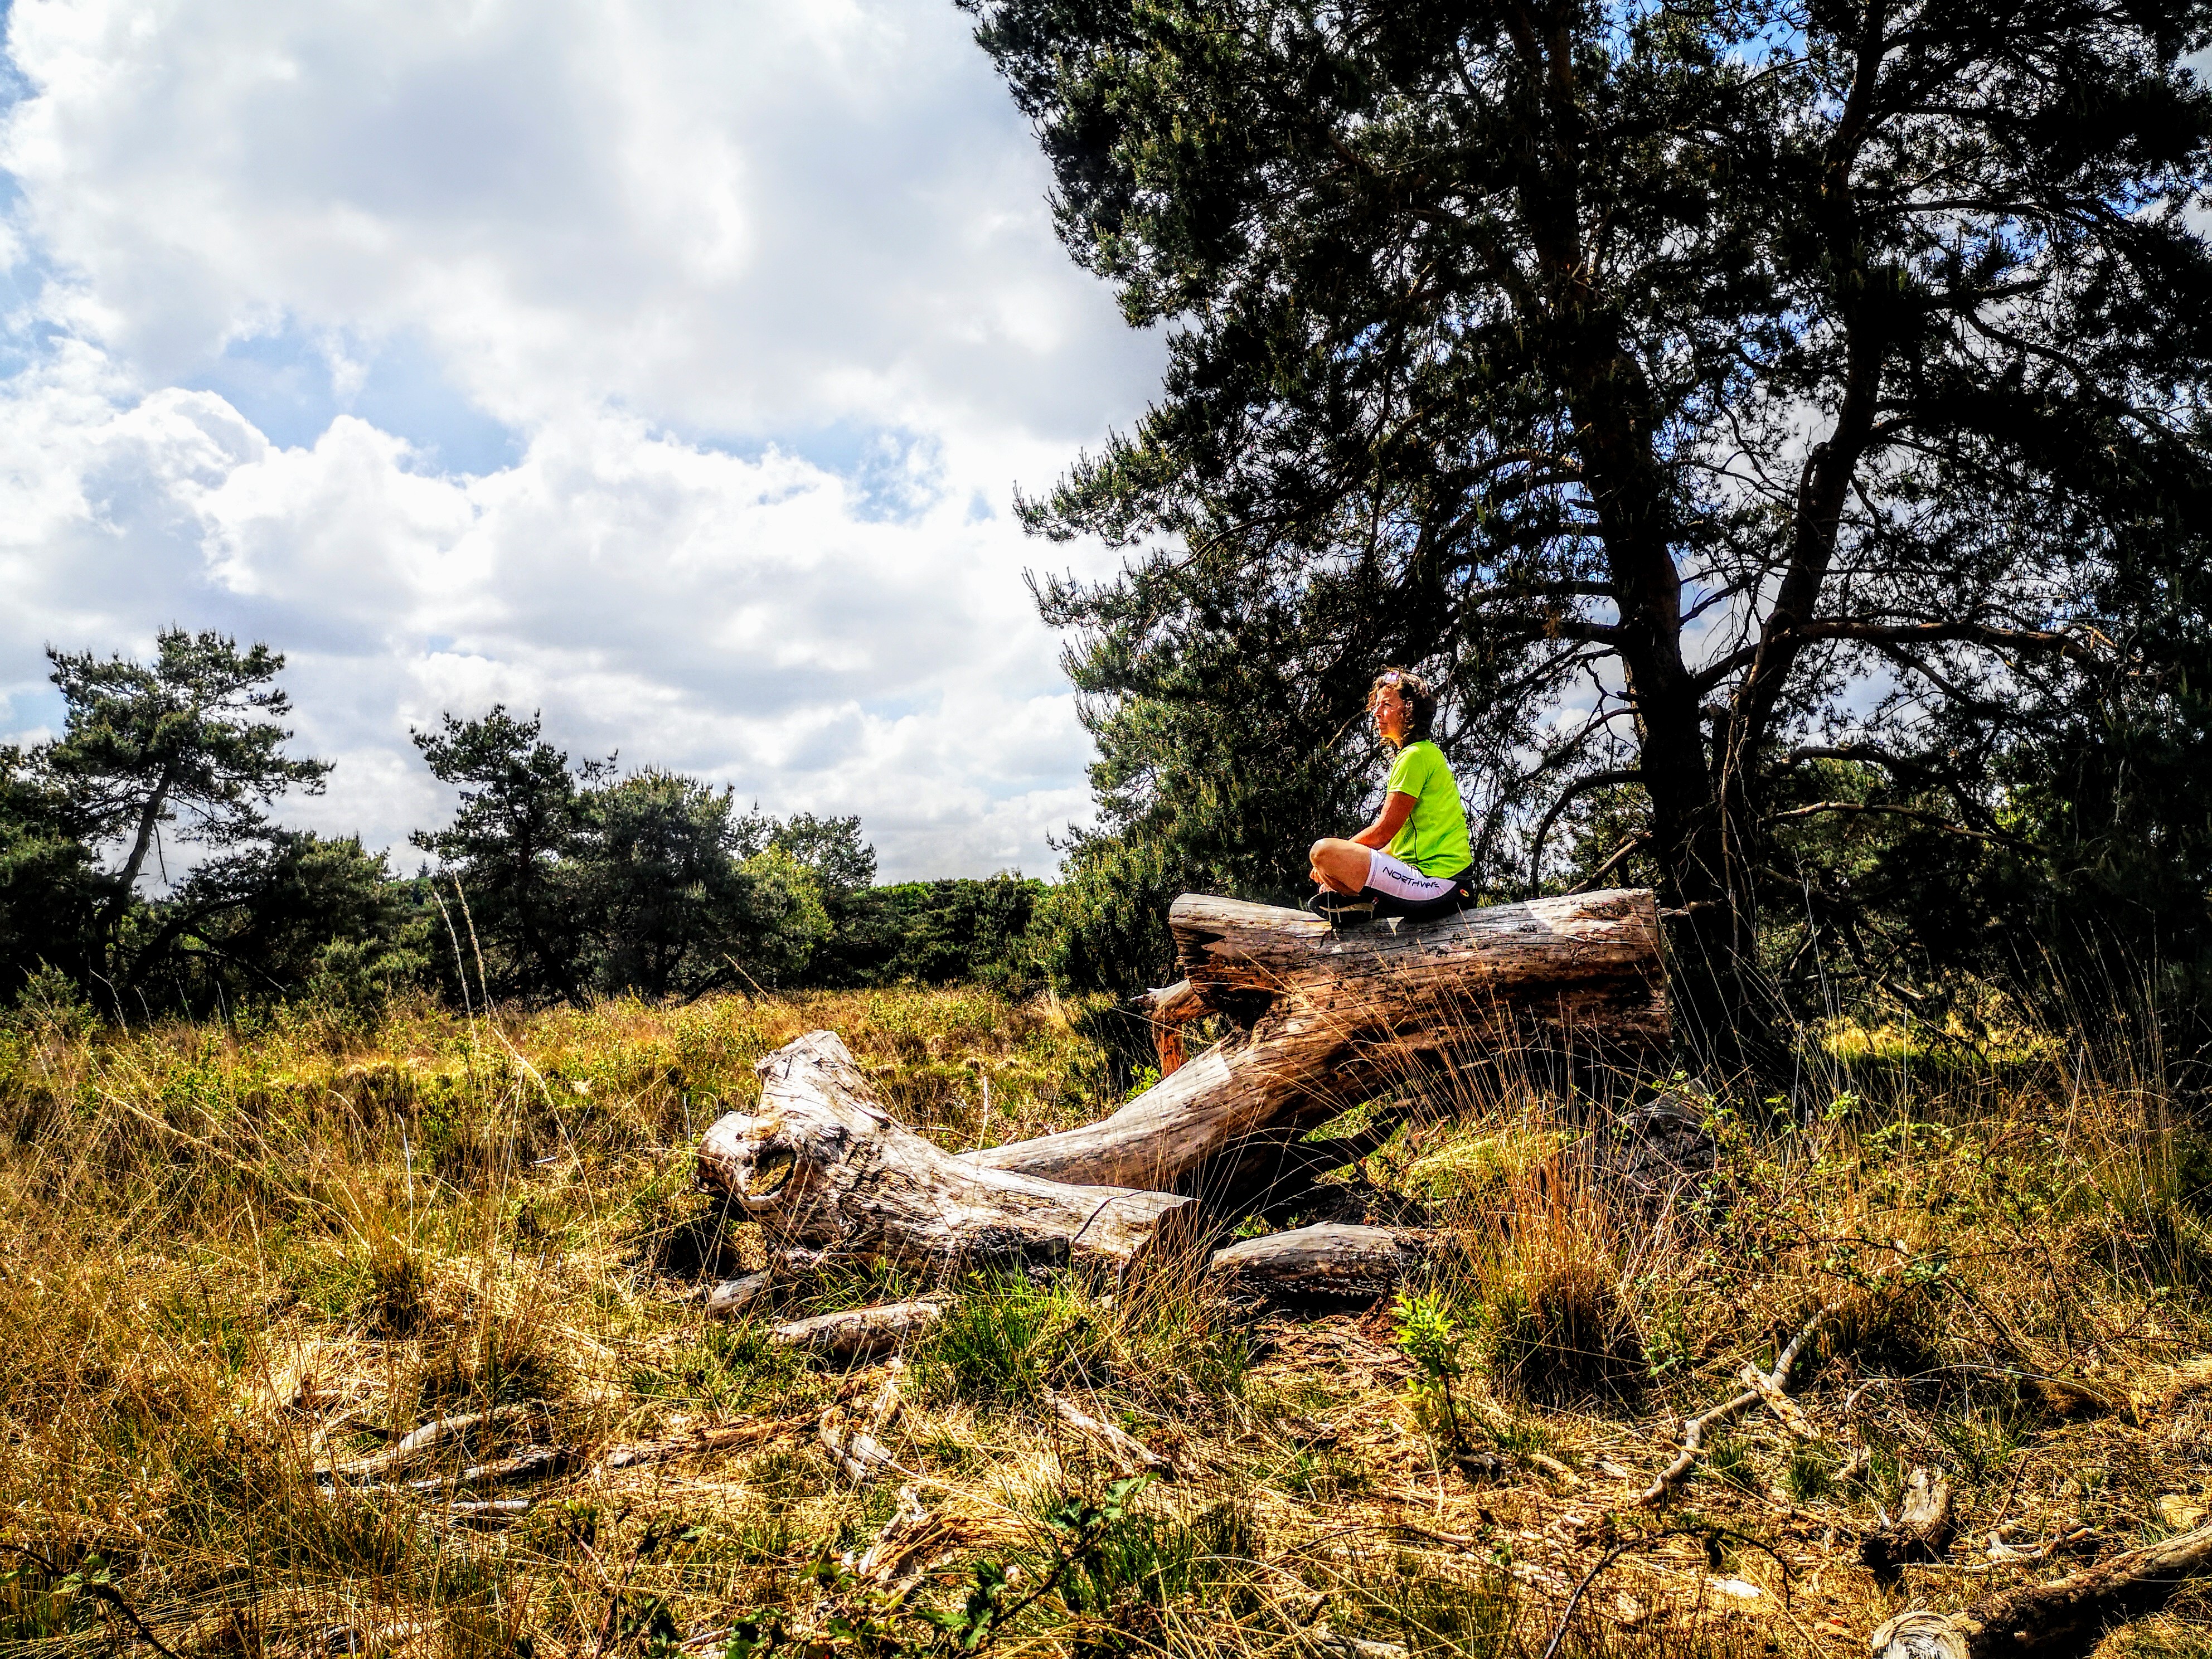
point(819, 1164)
point(1338, 1016)
point(2064, 1618)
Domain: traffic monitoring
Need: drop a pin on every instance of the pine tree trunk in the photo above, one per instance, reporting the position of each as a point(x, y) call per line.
point(1333, 1017)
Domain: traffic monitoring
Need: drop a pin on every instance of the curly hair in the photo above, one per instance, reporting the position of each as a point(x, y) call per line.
point(1420, 701)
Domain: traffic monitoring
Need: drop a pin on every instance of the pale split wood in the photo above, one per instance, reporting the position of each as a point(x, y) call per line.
point(1925, 1525)
point(1173, 1004)
point(855, 1443)
point(438, 1434)
point(1999, 1548)
point(1208, 1104)
point(733, 1296)
point(1130, 1454)
point(895, 1560)
point(530, 1463)
point(821, 1165)
point(855, 1333)
point(719, 1437)
point(1670, 1479)
point(1788, 1411)
point(1920, 1635)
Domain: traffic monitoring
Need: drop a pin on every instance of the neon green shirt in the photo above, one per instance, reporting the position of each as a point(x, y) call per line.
point(1433, 838)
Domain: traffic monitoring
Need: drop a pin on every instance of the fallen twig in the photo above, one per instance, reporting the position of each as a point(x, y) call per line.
point(2066, 1538)
point(419, 1442)
point(98, 1591)
point(717, 1438)
point(2063, 1617)
point(1694, 1429)
point(530, 1463)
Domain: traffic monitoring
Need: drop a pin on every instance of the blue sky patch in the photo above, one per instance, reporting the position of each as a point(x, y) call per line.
point(284, 384)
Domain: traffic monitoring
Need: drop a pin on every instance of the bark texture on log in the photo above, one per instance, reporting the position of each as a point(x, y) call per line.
point(819, 1164)
point(1338, 1016)
point(2064, 1618)
point(1330, 1261)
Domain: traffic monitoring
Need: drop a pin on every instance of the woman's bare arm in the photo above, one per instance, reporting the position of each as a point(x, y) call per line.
point(1397, 807)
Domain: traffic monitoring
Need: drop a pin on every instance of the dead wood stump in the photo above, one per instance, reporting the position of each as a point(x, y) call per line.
point(820, 1164)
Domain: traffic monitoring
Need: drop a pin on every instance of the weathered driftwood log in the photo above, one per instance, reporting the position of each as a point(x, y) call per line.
point(2063, 1619)
point(1337, 1016)
point(1331, 1261)
point(853, 1333)
point(818, 1162)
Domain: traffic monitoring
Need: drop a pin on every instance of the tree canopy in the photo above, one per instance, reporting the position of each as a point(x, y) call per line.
point(567, 880)
point(1706, 394)
point(553, 878)
point(194, 738)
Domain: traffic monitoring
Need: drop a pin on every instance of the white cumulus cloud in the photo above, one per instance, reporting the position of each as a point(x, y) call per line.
point(666, 368)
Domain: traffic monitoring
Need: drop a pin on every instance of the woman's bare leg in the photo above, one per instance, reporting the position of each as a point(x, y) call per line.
point(1339, 866)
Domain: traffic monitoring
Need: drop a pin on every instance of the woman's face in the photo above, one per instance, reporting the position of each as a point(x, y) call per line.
point(1390, 714)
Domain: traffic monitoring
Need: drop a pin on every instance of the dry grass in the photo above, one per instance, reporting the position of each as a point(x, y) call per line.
point(233, 1256)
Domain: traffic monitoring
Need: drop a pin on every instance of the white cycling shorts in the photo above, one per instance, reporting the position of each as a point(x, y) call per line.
point(1401, 881)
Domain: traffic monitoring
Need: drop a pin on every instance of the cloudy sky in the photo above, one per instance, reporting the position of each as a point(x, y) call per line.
point(665, 367)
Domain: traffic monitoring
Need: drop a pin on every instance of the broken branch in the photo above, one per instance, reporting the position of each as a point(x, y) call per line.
point(1694, 1429)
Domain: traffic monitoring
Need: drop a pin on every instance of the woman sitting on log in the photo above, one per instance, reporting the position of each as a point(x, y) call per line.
point(1414, 860)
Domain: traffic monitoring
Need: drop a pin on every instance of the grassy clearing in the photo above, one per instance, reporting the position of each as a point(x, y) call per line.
point(234, 1255)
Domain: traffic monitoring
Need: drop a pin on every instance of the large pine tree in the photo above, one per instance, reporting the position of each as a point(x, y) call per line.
point(1692, 388)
